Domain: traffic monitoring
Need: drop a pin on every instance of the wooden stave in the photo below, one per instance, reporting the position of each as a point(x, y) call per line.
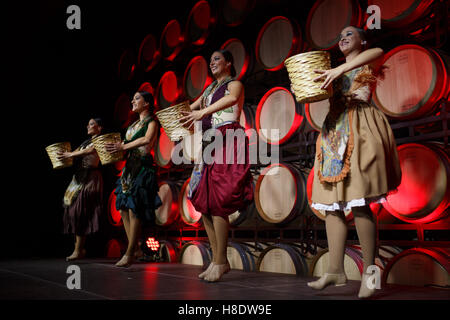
point(407, 17)
point(436, 256)
point(148, 64)
point(183, 216)
point(247, 258)
point(118, 245)
point(297, 258)
point(159, 158)
point(163, 103)
point(247, 61)
point(316, 123)
point(170, 53)
point(208, 78)
point(439, 81)
point(295, 45)
point(112, 206)
point(204, 249)
point(438, 212)
point(296, 209)
point(355, 20)
point(175, 212)
point(170, 250)
point(297, 124)
point(200, 41)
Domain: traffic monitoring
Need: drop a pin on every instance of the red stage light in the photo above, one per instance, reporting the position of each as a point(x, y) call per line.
point(152, 244)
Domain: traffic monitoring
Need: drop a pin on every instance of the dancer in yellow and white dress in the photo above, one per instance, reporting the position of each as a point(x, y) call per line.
point(356, 156)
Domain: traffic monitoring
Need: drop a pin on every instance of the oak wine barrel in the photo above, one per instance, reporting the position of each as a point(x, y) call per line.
point(171, 40)
point(282, 258)
point(198, 24)
point(316, 112)
point(196, 253)
point(327, 18)
point(415, 79)
point(278, 116)
point(168, 90)
point(240, 257)
point(196, 78)
point(168, 213)
point(278, 39)
point(398, 14)
point(114, 216)
point(424, 192)
point(149, 54)
point(240, 54)
point(115, 248)
point(420, 267)
point(163, 150)
point(188, 214)
point(168, 251)
point(280, 193)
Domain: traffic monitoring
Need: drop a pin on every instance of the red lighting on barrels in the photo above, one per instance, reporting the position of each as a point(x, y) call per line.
point(424, 192)
point(114, 215)
point(198, 23)
point(168, 90)
point(196, 78)
point(397, 14)
point(327, 18)
point(149, 53)
point(152, 244)
point(422, 76)
point(171, 41)
point(240, 56)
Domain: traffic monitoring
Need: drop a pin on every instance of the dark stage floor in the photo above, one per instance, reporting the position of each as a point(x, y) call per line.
point(100, 279)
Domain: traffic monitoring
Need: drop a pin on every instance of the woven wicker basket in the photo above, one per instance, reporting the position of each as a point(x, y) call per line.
point(170, 121)
point(54, 149)
point(99, 145)
point(301, 73)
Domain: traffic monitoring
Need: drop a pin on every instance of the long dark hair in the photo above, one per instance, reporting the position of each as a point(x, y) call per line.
point(148, 97)
point(228, 58)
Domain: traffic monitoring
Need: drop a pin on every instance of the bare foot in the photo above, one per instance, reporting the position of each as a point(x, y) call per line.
point(217, 271)
point(125, 262)
point(76, 255)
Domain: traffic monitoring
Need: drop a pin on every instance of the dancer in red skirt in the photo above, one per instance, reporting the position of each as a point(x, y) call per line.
point(222, 187)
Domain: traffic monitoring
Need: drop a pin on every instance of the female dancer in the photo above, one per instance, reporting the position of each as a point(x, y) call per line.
point(136, 191)
point(83, 197)
point(218, 189)
point(356, 157)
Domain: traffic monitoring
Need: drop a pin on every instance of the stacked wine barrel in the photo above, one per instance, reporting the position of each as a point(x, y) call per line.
point(415, 85)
